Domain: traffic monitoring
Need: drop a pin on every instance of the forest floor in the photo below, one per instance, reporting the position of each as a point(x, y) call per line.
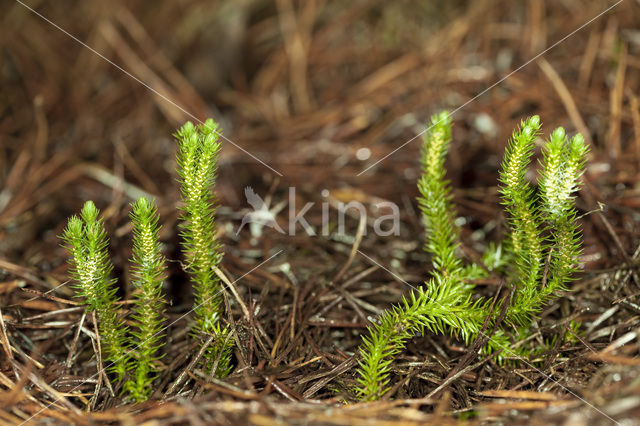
point(313, 96)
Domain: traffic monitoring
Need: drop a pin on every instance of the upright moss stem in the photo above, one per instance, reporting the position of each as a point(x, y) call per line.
point(148, 271)
point(197, 157)
point(91, 267)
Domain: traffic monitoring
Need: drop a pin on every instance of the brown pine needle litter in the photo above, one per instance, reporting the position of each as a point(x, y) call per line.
point(310, 96)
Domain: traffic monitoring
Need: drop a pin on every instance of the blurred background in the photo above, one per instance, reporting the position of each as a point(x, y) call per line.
point(301, 86)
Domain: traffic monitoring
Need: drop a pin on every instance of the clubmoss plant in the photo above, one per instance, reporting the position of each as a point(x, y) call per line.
point(441, 305)
point(519, 200)
point(444, 303)
point(91, 267)
point(148, 272)
point(133, 356)
point(435, 200)
point(198, 149)
point(541, 226)
point(550, 213)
